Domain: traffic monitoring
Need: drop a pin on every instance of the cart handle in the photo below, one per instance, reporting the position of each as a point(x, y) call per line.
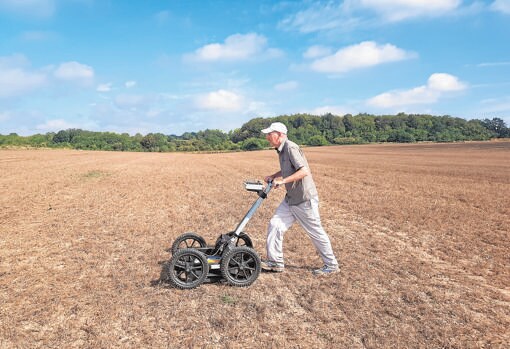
point(262, 195)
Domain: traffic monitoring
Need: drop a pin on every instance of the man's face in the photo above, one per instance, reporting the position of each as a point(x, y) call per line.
point(273, 138)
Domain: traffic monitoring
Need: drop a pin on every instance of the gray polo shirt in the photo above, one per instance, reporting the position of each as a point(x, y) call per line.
point(291, 160)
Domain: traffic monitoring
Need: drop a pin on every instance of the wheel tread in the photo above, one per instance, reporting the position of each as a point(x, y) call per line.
point(229, 272)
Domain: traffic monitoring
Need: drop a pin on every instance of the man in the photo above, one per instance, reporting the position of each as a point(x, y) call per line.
point(301, 203)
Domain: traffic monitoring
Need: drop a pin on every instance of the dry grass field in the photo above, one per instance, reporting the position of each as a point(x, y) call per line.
point(422, 232)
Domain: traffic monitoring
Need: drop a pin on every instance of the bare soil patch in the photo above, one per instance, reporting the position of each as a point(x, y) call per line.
point(421, 230)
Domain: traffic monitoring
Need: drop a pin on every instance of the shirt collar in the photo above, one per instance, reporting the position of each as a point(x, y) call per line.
point(280, 148)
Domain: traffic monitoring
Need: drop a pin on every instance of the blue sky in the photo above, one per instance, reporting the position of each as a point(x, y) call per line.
point(188, 65)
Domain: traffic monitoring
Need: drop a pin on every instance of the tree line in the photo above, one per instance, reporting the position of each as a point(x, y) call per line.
point(304, 129)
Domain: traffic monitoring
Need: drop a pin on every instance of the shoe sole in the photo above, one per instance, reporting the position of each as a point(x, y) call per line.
point(273, 269)
point(331, 272)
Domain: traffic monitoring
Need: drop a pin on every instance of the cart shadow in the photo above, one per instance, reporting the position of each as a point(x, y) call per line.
point(163, 280)
point(163, 276)
point(290, 267)
point(299, 267)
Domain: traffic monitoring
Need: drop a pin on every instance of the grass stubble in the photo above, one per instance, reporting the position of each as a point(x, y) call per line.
point(422, 232)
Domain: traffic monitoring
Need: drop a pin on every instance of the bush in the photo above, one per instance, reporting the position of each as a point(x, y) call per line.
point(154, 142)
point(348, 140)
point(254, 144)
point(317, 141)
point(401, 136)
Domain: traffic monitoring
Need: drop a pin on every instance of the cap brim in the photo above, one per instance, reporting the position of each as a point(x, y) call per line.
point(267, 130)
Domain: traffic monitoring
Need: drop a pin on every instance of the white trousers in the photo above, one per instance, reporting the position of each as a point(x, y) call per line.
point(307, 214)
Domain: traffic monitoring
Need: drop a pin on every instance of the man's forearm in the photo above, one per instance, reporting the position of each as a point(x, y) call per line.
point(277, 174)
point(296, 176)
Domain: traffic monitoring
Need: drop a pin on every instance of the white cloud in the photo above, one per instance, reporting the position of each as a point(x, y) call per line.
point(155, 112)
point(104, 87)
point(319, 17)
point(220, 100)
point(286, 86)
point(16, 78)
point(37, 8)
point(55, 124)
point(130, 84)
point(497, 105)
point(14, 61)
point(417, 95)
point(131, 101)
point(37, 35)
point(492, 64)
point(74, 71)
point(15, 82)
point(235, 48)
point(333, 109)
point(501, 6)
point(443, 82)
point(317, 51)
point(363, 55)
point(5, 115)
point(438, 85)
point(397, 10)
point(162, 16)
point(351, 14)
point(258, 108)
point(494, 108)
point(61, 124)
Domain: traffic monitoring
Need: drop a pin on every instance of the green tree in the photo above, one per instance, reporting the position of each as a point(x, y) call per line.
point(347, 140)
point(254, 144)
point(317, 140)
point(401, 136)
point(251, 129)
point(62, 137)
point(497, 126)
point(155, 142)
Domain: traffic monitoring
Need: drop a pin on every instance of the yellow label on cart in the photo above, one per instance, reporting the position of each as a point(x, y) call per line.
point(214, 259)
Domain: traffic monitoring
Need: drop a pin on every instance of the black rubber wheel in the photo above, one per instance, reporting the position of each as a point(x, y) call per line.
point(244, 240)
point(240, 266)
point(187, 268)
point(188, 240)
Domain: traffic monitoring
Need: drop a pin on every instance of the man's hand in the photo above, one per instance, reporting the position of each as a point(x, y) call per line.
point(277, 183)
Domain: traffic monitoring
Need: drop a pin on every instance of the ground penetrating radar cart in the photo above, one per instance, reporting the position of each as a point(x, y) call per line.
point(232, 258)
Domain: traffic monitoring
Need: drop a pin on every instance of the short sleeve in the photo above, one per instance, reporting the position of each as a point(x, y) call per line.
point(296, 157)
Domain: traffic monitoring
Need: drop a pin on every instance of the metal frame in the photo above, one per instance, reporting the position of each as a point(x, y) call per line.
point(227, 243)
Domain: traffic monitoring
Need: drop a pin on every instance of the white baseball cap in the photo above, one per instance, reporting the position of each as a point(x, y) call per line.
point(276, 126)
